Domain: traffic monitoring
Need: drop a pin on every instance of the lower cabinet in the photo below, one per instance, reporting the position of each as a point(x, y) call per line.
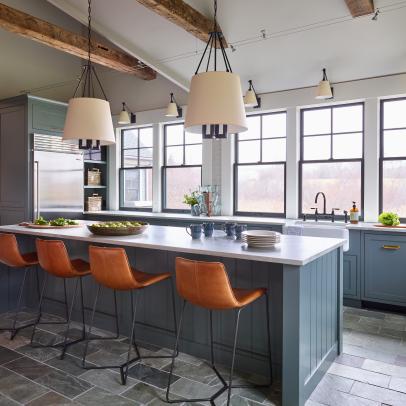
point(350, 277)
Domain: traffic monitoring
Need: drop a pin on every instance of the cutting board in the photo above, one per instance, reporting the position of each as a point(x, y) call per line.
point(383, 226)
point(39, 226)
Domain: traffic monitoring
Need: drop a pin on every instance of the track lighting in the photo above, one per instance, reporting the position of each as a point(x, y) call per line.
point(251, 98)
point(324, 89)
point(126, 116)
point(173, 110)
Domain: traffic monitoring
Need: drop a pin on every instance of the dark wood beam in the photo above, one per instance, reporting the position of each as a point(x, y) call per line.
point(23, 24)
point(184, 16)
point(360, 8)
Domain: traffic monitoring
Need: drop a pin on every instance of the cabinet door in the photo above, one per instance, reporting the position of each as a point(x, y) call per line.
point(350, 277)
point(385, 268)
point(48, 117)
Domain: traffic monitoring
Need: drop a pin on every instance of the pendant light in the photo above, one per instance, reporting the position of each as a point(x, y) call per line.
point(88, 118)
point(126, 116)
point(324, 89)
point(173, 110)
point(215, 104)
point(251, 98)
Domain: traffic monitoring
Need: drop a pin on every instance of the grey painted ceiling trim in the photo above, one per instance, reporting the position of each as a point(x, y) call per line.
point(122, 43)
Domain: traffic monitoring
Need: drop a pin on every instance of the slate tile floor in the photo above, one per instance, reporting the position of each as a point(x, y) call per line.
point(371, 372)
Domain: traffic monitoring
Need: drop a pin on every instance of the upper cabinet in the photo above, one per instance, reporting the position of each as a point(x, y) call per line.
point(47, 117)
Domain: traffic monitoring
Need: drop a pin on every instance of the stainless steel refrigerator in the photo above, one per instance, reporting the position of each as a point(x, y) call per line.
point(58, 176)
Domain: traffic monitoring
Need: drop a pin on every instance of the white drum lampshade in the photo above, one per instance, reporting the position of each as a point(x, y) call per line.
point(215, 98)
point(89, 118)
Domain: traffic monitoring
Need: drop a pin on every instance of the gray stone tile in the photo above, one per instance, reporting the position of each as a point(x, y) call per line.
point(237, 400)
point(18, 388)
point(69, 364)
point(78, 348)
point(185, 388)
point(104, 358)
point(312, 403)
point(151, 376)
point(158, 363)
point(28, 367)
point(394, 324)
point(393, 333)
point(39, 353)
point(7, 355)
point(350, 360)
point(111, 346)
point(16, 342)
point(384, 368)
point(5, 401)
point(108, 380)
point(64, 384)
point(398, 384)
point(365, 313)
point(362, 375)
point(202, 373)
point(52, 399)
point(384, 356)
point(329, 384)
point(338, 398)
point(100, 397)
point(378, 394)
point(400, 360)
point(142, 393)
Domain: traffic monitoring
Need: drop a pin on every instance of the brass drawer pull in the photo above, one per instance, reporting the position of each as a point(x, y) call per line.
point(391, 247)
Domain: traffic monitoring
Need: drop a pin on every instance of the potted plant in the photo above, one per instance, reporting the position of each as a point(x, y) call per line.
point(192, 201)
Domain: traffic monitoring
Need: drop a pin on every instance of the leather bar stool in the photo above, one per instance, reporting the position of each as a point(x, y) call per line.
point(54, 260)
point(11, 256)
point(111, 269)
point(206, 284)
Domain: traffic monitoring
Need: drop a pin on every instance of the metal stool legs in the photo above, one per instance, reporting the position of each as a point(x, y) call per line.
point(227, 386)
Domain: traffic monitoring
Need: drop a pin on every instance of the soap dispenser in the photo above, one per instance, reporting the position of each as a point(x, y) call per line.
point(354, 214)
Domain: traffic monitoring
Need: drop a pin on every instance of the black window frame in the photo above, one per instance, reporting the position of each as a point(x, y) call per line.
point(259, 163)
point(302, 162)
point(165, 166)
point(382, 157)
point(123, 169)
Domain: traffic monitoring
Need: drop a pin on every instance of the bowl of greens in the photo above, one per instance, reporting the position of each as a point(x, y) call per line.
point(389, 219)
point(59, 222)
point(118, 228)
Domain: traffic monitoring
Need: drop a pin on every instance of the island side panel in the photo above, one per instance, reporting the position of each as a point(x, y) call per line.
point(311, 324)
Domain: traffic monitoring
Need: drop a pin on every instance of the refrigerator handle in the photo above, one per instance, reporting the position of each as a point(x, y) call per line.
point(37, 211)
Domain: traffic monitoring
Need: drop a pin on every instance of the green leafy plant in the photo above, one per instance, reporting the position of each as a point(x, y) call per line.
point(389, 219)
point(191, 199)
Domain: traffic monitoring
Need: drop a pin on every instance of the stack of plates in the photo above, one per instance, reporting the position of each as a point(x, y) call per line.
point(261, 238)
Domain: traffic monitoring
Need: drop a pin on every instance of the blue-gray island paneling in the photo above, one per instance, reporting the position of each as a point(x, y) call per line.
point(303, 275)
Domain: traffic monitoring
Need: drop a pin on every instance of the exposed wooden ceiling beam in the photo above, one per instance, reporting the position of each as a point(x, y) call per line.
point(360, 8)
point(56, 37)
point(184, 16)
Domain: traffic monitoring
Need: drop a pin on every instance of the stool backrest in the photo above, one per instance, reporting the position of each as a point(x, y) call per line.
point(110, 267)
point(204, 284)
point(54, 259)
point(9, 253)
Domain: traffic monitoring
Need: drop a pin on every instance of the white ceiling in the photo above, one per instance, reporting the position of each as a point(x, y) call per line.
point(349, 48)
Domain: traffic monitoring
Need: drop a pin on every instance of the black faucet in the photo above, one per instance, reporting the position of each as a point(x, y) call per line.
point(324, 201)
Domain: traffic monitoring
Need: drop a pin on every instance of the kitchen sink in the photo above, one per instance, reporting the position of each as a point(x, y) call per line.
point(324, 223)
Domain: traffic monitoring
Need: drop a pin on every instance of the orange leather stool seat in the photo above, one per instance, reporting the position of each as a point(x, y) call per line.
point(206, 284)
point(11, 256)
point(111, 269)
point(54, 259)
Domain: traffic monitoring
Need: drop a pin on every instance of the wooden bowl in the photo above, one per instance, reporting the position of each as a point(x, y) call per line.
point(118, 231)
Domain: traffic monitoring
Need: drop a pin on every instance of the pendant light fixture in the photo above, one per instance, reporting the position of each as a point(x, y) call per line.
point(173, 110)
point(251, 98)
point(88, 118)
point(215, 104)
point(324, 89)
point(126, 116)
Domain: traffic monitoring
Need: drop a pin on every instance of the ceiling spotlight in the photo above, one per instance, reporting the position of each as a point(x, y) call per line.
point(324, 89)
point(233, 48)
point(173, 110)
point(251, 98)
point(126, 116)
point(376, 15)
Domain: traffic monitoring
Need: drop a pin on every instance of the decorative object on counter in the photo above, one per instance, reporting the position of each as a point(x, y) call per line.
point(173, 109)
point(195, 231)
point(59, 222)
point(239, 228)
point(88, 118)
point(94, 202)
point(208, 229)
point(324, 89)
point(251, 98)
point(215, 103)
point(229, 229)
point(94, 177)
point(389, 219)
point(126, 116)
point(261, 238)
point(209, 200)
point(192, 200)
point(354, 214)
point(111, 228)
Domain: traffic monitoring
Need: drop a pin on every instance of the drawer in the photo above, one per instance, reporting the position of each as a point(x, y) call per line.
point(385, 268)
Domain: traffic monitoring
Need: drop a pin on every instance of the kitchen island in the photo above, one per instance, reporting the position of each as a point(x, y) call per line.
point(303, 275)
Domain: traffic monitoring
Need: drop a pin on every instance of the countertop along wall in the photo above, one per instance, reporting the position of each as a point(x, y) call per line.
point(218, 156)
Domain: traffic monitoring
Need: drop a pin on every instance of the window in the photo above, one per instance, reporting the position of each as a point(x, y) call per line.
point(260, 162)
point(136, 168)
point(332, 156)
point(182, 170)
point(393, 156)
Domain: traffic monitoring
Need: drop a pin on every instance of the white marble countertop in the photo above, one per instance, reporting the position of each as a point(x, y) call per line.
point(293, 250)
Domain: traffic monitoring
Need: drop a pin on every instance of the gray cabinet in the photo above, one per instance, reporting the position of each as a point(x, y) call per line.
point(385, 268)
point(47, 117)
point(352, 266)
